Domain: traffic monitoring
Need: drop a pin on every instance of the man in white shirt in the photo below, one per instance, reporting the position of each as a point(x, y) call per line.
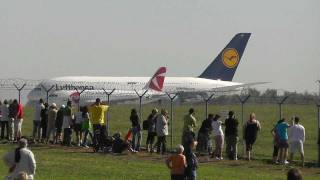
point(297, 138)
point(20, 160)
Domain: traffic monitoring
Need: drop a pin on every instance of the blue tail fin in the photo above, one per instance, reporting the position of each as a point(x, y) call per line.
point(226, 63)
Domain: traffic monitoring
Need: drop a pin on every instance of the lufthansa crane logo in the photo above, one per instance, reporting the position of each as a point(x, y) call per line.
point(230, 57)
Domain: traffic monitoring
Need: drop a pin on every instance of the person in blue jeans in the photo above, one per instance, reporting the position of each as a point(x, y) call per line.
point(136, 130)
point(192, 161)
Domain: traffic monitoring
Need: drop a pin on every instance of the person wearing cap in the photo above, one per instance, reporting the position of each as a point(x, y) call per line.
point(4, 108)
point(37, 120)
point(297, 138)
point(162, 131)
point(190, 123)
point(152, 119)
point(231, 133)
point(52, 116)
point(20, 160)
point(58, 124)
point(177, 164)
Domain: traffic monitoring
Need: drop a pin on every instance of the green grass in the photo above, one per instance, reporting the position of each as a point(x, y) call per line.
point(55, 162)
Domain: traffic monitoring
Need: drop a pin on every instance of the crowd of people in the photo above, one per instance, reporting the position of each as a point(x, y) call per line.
point(56, 125)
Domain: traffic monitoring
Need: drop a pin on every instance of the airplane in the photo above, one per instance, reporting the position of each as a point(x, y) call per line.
point(216, 77)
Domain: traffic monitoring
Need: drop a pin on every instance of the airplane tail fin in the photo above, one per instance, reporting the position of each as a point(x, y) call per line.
point(157, 80)
point(225, 64)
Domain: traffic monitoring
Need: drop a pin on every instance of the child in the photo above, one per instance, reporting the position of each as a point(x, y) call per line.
point(177, 163)
point(192, 161)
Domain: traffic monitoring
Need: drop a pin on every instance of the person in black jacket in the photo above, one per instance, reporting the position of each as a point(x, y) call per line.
point(136, 130)
point(204, 135)
point(13, 112)
point(231, 133)
point(59, 121)
point(152, 119)
point(44, 122)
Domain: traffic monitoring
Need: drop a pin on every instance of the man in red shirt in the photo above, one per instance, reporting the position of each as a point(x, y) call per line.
point(18, 123)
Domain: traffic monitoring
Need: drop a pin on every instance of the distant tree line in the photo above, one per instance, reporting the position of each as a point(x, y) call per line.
point(269, 96)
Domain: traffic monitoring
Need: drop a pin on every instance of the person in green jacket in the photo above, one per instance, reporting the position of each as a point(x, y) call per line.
point(86, 126)
point(190, 122)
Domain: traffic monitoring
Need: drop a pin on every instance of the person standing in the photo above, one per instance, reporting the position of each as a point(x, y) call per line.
point(66, 124)
point(18, 123)
point(21, 160)
point(251, 129)
point(192, 161)
point(162, 131)
point(37, 120)
point(13, 112)
point(188, 126)
point(97, 112)
point(86, 126)
point(52, 116)
point(218, 137)
point(275, 135)
point(78, 126)
point(136, 130)
point(297, 138)
point(231, 133)
point(152, 119)
point(44, 122)
point(58, 125)
point(177, 164)
point(282, 131)
point(4, 120)
point(204, 135)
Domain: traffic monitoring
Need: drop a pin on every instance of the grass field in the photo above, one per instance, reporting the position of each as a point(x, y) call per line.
point(56, 162)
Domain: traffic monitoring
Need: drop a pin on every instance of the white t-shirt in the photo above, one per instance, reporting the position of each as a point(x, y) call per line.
point(79, 118)
point(216, 127)
point(297, 133)
point(37, 112)
point(27, 163)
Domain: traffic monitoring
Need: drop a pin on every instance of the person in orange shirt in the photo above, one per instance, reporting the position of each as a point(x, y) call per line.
point(177, 163)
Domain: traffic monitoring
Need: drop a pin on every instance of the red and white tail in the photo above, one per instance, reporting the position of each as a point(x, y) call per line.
point(157, 80)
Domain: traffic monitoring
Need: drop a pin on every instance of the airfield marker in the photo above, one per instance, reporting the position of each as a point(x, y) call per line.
point(108, 101)
point(171, 116)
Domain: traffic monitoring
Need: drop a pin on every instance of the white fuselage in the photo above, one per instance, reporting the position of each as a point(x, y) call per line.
point(125, 87)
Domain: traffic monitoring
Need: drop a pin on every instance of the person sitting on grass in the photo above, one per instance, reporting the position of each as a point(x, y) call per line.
point(177, 163)
point(119, 145)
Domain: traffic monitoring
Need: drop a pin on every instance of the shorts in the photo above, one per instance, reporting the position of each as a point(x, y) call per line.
point(219, 141)
point(296, 146)
point(283, 143)
point(249, 143)
point(78, 127)
point(17, 125)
